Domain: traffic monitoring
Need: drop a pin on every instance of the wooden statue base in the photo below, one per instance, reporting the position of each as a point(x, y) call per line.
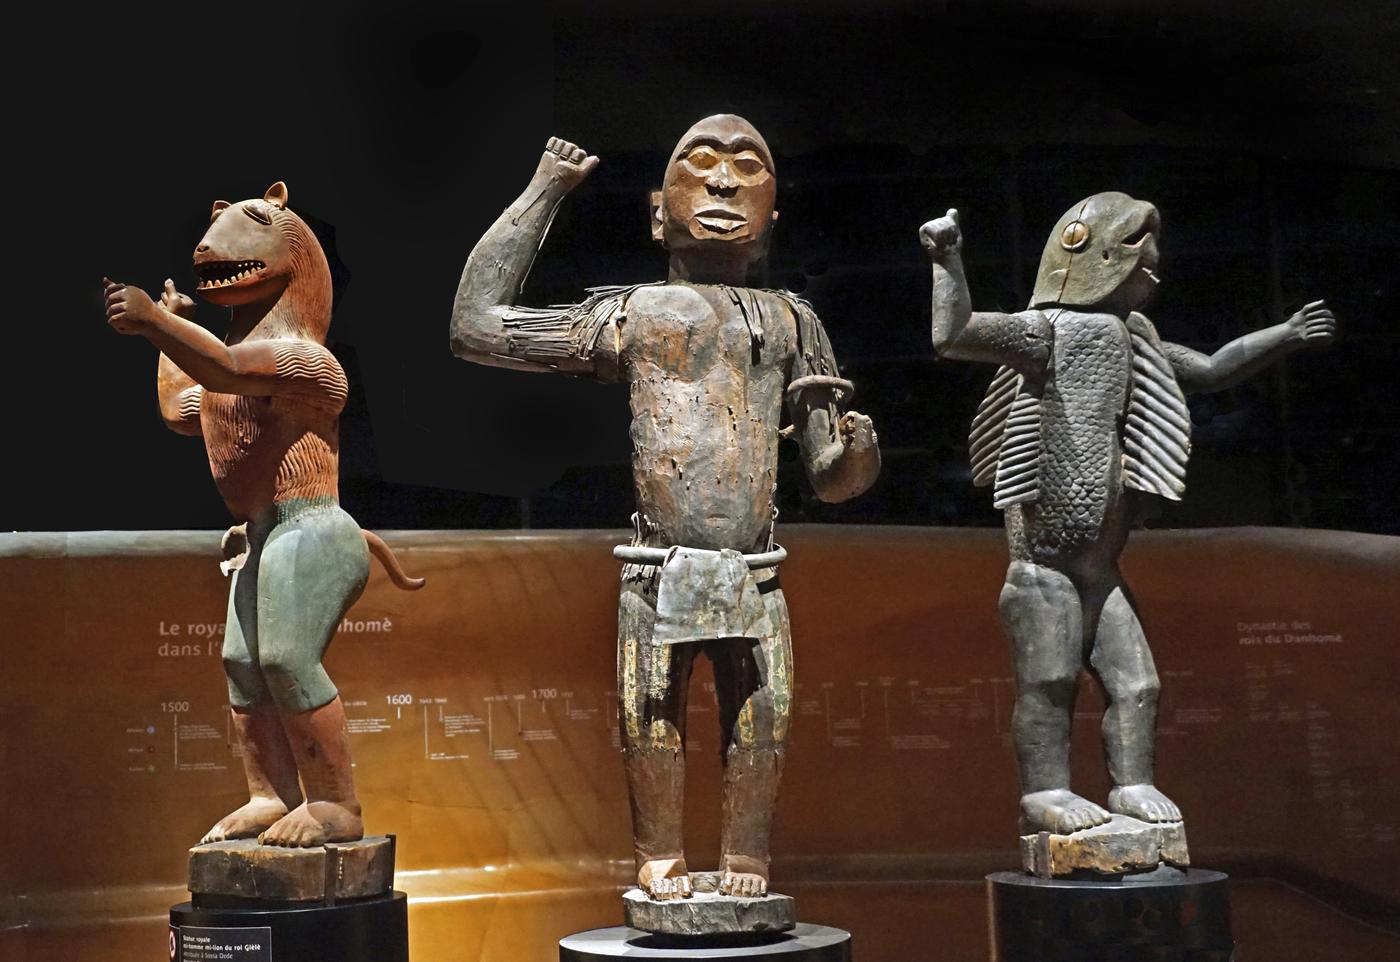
point(1120, 846)
point(243, 870)
point(707, 912)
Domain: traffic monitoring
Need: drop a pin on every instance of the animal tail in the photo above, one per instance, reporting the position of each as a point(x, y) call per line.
point(385, 554)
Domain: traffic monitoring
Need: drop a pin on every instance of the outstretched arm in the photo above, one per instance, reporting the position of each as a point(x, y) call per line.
point(1312, 326)
point(1019, 340)
point(497, 266)
point(842, 458)
point(178, 394)
point(258, 368)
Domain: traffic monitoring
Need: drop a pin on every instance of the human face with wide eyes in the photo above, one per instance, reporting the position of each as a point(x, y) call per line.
point(718, 190)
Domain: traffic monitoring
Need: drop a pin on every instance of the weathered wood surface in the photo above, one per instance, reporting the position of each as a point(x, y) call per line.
point(324, 873)
point(1121, 845)
point(707, 912)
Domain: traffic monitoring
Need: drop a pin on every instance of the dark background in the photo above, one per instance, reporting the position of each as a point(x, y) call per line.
point(1265, 133)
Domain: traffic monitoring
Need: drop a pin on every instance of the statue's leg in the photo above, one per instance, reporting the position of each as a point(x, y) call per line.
point(268, 764)
point(1042, 616)
point(651, 698)
point(753, 681)
point(1123, 663)
point(313, 568)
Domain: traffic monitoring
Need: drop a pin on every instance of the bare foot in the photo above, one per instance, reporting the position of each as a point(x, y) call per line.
point(1060, 811)
point(664, 879)
point(315, 823)
point(253, 818)
point(1143, 802)
point(743, 877)
point(743, 885)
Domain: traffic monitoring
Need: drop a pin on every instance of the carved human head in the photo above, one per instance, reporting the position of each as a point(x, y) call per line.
point(254, 250)
point(719, 189)
point(1102, 253)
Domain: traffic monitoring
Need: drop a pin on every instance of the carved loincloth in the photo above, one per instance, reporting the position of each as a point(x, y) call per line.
point(705, 595)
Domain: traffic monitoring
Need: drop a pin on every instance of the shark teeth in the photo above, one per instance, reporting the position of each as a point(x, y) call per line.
point(216, 274)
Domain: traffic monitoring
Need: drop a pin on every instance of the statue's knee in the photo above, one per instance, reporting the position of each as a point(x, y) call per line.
point(238, 664)
point(1139, 693)
point(757, 726)
point(246, 687)
point(658, 734)
point(296, 682)
point(1056, 687)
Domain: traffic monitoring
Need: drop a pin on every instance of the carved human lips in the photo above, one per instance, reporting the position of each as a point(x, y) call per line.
point(721, 220)
point(216, 274)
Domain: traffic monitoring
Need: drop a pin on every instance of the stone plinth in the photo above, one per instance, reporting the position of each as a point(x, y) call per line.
point(707, 912)
point(243, 869)
point(1120, 846)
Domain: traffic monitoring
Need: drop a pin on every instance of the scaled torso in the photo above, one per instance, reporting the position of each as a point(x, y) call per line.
point(1079, 513)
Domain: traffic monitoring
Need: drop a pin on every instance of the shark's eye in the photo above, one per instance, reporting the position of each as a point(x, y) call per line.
point(1075, 236)
point(259, 215)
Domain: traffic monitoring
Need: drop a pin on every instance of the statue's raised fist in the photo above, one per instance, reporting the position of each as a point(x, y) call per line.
point(942, 236)
point(568, 163)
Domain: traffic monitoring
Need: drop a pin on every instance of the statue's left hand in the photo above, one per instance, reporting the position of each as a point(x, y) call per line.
point(176, 303)
point(129, 309)
point(1314, 325)
point(857, 431)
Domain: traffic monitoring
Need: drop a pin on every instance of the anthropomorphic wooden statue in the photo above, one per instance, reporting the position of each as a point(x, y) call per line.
point(711, 363)
point(1084, 427)
point(267, 402)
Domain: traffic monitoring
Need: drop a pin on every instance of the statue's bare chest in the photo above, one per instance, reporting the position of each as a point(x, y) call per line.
point(676, 331)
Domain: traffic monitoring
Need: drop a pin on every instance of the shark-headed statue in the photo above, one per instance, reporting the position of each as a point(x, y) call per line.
point(1083, 429)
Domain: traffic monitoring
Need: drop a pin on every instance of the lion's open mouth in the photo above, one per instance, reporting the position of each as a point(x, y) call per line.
point(213, 274)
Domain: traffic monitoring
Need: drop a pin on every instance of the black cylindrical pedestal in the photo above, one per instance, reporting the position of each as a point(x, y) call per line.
point(805, 943)
point(1180, 919)
point(362, 930)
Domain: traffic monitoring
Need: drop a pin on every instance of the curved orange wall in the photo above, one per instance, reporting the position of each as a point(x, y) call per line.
point(485, 737)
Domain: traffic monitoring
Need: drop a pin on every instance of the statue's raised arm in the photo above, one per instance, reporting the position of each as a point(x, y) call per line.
point(487, 327)
point(1020, 341)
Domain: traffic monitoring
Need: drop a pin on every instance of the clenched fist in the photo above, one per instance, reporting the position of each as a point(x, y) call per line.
point(130, 310)
point(856, 430)
point(942, 236)
point(565, 162)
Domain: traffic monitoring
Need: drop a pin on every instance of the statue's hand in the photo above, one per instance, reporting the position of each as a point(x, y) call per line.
point(176, 303)
point(129, 309)
point(565, 162)
point(942, 236)
point(1313, 325)
point(857, 431)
